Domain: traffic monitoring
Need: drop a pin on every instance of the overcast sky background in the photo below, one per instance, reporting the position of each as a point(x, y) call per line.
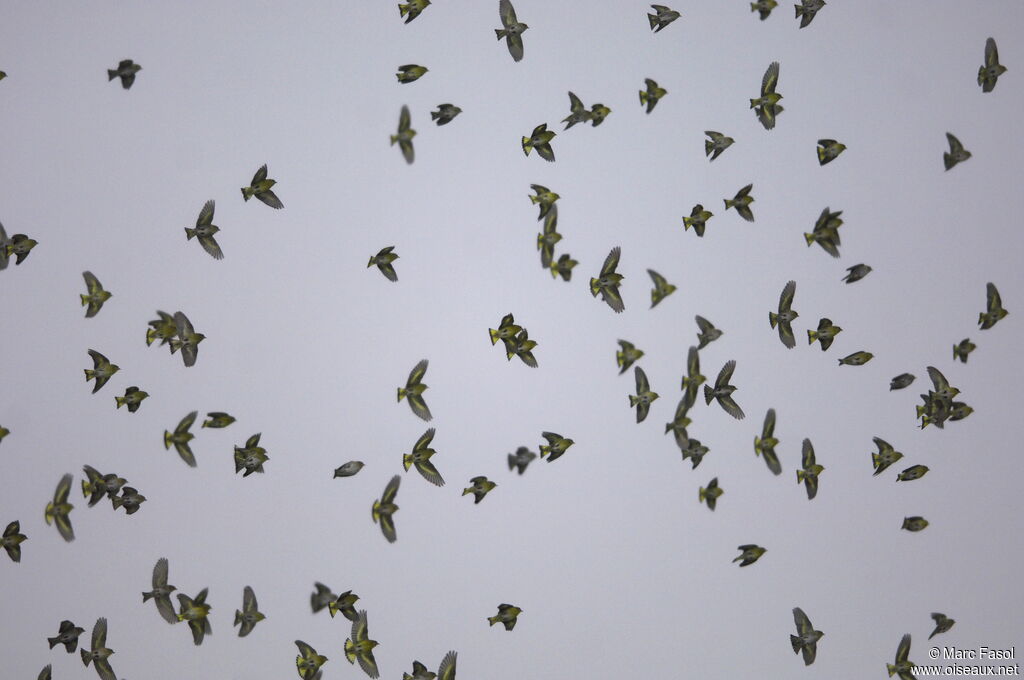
point(620, 572)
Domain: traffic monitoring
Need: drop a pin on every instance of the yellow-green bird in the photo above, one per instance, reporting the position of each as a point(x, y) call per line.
point(695, 451)
point(413, 391)
point(710, 494)
point(204, 231)
point(811, 469)
point(407, 73)
point(911, 473)
point(706, 332)
point(764, 7)
point(990, 71)
point(249, 615)
point(521, 459)
point(741, 203)
point(856, 359)
point(826, 232)
point(547, 239)
point(543, 197)
point(420, 457)
point(698, 219)
point(446, 671)
point(506, 332)
point(807, 10)
point(767, 105)
point(993, 308)
point(384, 508)
point(784, 318)
point(97, 485)
point(47, 672)
point(557, 445)
point(956, 154)
point(101, 370)
point(58, 510)
point(764, 445)
point(321, 597)
point(652, 94)
point(806, 639)
point(419, 672)
point(540, 140)
point(251, 457)
point(11, 542)
point(95, 296)
point(383, 259)
point(511, 29)
point(942, 624)
point(901, 381)
point(181, 437)
point(344, 603)
point(308, 662)
point(885, 456)
point(3, 433)
point(260, 187)
point(563, 267)
point(360, 647)
point(405, 135)
point(445, 114)
point(577, 112)
point(722, 391)
point(693, 378)
point(524, 349)
point(903, 666)
point(829, 150)
point(3, 75)
point(716, 143)
point(20, 246)
point(126, 70)
point(680, 422)
point(663, 17)
point(750, 553)
point(132, 398)
point(826, 333)
point(962, 349)
point(627, 355)
point(163, 329)
point(130, 499)
point(856, 273)
point(99, 655)
point(188, 340)
point(644, 396)
point(608, 281)
point(507, 615)
point(916, 523)
point(218, 419)
point(412, 9)
point(662, 288)
point(161, 593)
point(67, 635)
point(196, 612)
point(598, 112)
point(479, 487)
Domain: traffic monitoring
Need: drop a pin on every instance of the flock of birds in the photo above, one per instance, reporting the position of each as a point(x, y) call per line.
point(177, 333)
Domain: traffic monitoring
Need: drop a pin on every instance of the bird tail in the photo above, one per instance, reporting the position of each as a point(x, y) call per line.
point(434, 115)
point(821, 155)
point(402, 392)
point(687, 223)
point(119, 401)
point(403, 9)
point(117, 501)
point(554, 269)
point(633, 400)
point(86, 491)
point(350, 651)
point(394, 138)
point(500, 32)
point(653, 18)
point(620, 359)
point(85, 299)
point(892, 669)
point(238, 617)
point(702, 494)
point(526, 145)
point(811, 337)
point(729, 203)
point(111, 74)
point(773, 319)
point(54, 641)
point(800, 474)
point(167, 439)
point(708, 147)
point(494, 335)
point(757, 446)
point(189, 234)
point(544, 450)
point(89, 374)
point(809, 238)
point(753, 103)
point(708, 394)
point(86, 658)
point(795, 641)
point(492, 620)
point(247, 193)
point(406, 461)
point(643, 97)
point(150, 336)
point(947, 160)
point(534, 200)
point(375, 513)
point(594, 287)
point(147, 596)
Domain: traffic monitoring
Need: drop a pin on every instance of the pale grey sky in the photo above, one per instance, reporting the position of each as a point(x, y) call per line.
point(619, 571)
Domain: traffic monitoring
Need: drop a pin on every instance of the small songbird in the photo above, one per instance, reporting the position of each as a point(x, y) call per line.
point(627, 355)
point(20, 246)
point(196, 612)
point(384, 508)
point(96, 485)
point(722, 391)
point(993, 308)
point(126, 71)
point(506, 332)
point(990, 71)
point(101, 370)
point(680, 421)
point(130, 499)
point(420, 457)
point(548, 238)
point(826, 333)
point(360, 647)
point(962, 349)
point(856, 359)
point(751, 553)
point(511, 30)
point(693, 378)
point(662, 288)
point(445, 114)
point(807, 10)
point(556, 447)
point(405, 135)
point(716, 143)
point(577, 112)
point(598, 112)
point(162, 329)
point(67, 636)
point(507, 615)
point(47, 672)
point(901, 381)
point(741, 202)
point(95, 296)
point(785, 316)
point(809, 474)
point(218, 419)
point(479, 487)
point(563, 267)
point(829, 150)
point(764, 445)
point(885, 456)
point(132, 398)
point(540, 140)
point(204, 231)
point(181, 437)
point(412, 9)
point(662, 18)
point(916, 523)
point(710, 494)
point(188, 340)
point(706, 332)
point(260, 187)
point(763, 7)
point(99, 655)
point(308, 661)
point(321, 597)
point(413, 390)
point(251, 457)
point(11, 542)
point(348, 469)
point(698, 219)
point(58, 510)
point(543, 197)
point(161, 593)
point(652, 94)
point(856, 273)
point(520, 459)
point(608, 282)
point(956, 154)
point(524, 349)
point(767, 105)
point(407, 73)
point(826, 232)
point(695, 451)
point(345, 604)
point(911, 473)
point(942, 624)
point(644, 397)
point(903, 666)
point(806, 639)
point(383, 260)
point(3, 432)
point(446, 671)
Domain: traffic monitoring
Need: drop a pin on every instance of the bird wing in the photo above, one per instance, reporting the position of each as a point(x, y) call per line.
point(991, 53)
point(390, 491)
point(575, 105)
point(60, 494)
point(368, 664)
point(807, 454)
point(993, 300)
point(768, 429)
point(183, 325)
point(551, 223)
point(771, 459)
point(507, 13)
point(206, 214)
point(260, 175)
point(92, 284)
point(388, 271)
point(419, 406)
point(903, 651)
point(210, 245)
point(249, 600)
point(271, 199)
point(731, 407)
point(771, 79)
point(642, 385)
point(786, 299)
point(612, 261)
point(160, 573)
point(786, 334)
point(611, 296)
point(99, 634)
point(803, 624)
point(642, 409)
point(424, 441)
point(725, 375)
point(810, 651)
point(185, 451)
point(660, 281)
point(938, 380)
point(98, 360)
point(955, 147)
point(446, 671)
point(543, 150)
point(745, 212)
point(103, 668)
point(360, 627)
point(692, 363)
point(703, 324)
point(404, 119)
point(429, 472)
point(417, 373)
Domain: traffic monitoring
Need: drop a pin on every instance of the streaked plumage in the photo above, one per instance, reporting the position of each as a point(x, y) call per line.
point(218, 420)
point(598, 112)
point(20, 246)
point(404, 136)
point(807, 10)
point(563, 267)
point(828, 150)
point(911, 473)
point(58, 510)
point(662, 288)
point(360, 647)
point(412, 9)
point(521, 459)
point(652, 94)
point(557, 445)
point(710, 493)
point(130, 499)
point(698, 219)
point(993, 308)
point(204, 231)
point(445, 114)
point(99, 654)
point(479, 487)
point(11, 542)
point(644, 396)
point(989, 72)
point(345, 605)
point(856, 273)
point(885, 456)
point(811, 469)
point(384, 508)
point(67, 636)
point(506, 332)
point(132, 398)
point(716, 143)
point(507, 615)
point(413, 391)
point(181, 438)
point(251, 457)
point(308, 661)
point(420, 457)
point(101, 370)
point(608, 281)
point(543, 197)
point(511, 29)
point(722, 391)
point(196, 612)
point(785, 316)
point(540, 140)
point(856, 359)
point(750, 553)
point(126, 70)
point(767, 105)
point(260, 187)
point(806, 639)
point(826, 333)
point(95, 296)
point(956, 154)
point(741, 203)
point(662, 18)
point(161, 593)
